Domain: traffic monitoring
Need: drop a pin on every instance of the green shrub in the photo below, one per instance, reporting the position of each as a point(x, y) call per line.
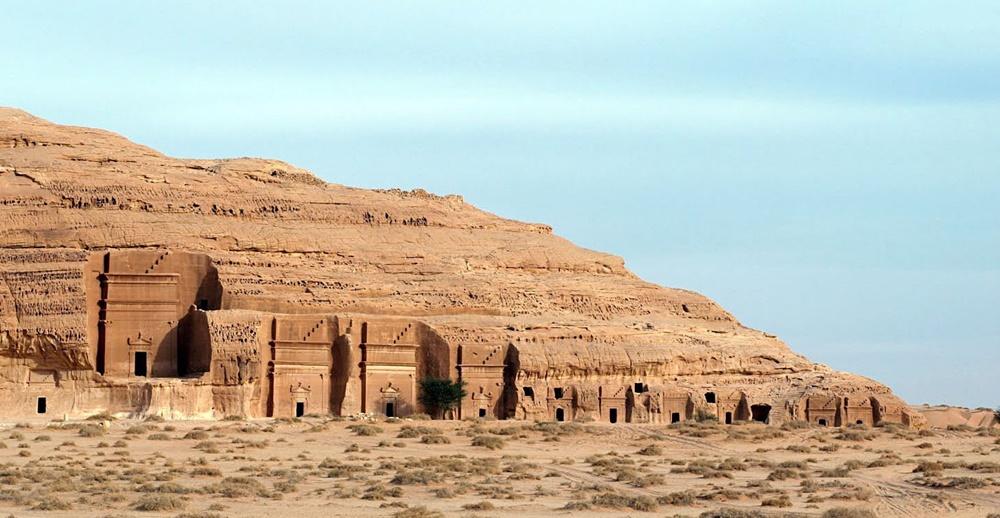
point(441, 394)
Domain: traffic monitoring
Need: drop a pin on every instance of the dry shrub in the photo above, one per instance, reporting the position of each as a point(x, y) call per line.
point(731, 513)
point(158, 502)
point(854, 435)
point(778, 501)
point(435, 439)
point(444, 492)
point(52, 503)
point(754, 432)
point(169, 487)
point(338, 469)
point(848, 512)
point(929, 467)
point(415, 477)
point(840, 472)
point(91, 430)
point(207, 447)
point(956, 483)
point(651, 450)
point(578, 505)
point(794, 425)
point(784, 474)
point(649, 480)
point(479, 506)
point(203, 471)
point(366, 430)
point(984, 467)
point(611, 500)
point(380, 492)
point(679, 498)
point(697, 428)
point(490, 442)
point(861, 494)
point(417, 512)
point(412, 432)
point(237, 487)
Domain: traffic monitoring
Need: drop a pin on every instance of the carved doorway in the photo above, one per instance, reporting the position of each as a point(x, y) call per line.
point(141, 364)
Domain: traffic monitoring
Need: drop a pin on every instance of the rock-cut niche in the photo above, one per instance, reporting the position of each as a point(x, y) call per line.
point(145, 312)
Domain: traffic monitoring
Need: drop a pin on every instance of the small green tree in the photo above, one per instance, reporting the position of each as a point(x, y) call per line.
point(439, 395)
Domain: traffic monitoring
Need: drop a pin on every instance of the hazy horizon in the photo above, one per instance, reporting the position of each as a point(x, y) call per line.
point(828, 173)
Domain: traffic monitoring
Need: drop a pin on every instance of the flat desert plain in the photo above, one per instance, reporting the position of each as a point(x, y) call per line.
point(316, 467)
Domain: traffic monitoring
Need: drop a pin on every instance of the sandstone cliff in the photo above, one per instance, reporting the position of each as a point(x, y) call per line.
point(285, 242)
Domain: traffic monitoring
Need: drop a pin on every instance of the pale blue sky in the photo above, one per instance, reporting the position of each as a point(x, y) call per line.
point(829, 172)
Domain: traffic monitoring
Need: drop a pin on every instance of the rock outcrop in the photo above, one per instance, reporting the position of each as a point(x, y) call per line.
point(251, 286)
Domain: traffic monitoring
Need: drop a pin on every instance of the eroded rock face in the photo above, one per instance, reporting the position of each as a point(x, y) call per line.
point(135, 282)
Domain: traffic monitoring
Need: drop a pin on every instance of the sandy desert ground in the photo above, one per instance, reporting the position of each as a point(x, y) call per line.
point(417, 468)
